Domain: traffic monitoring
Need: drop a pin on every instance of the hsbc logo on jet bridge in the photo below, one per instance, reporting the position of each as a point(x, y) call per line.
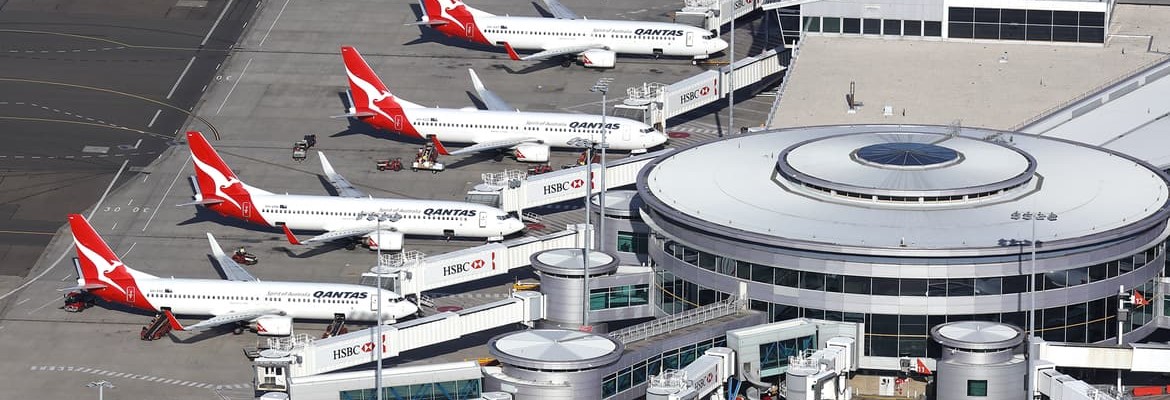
point(357, 349)
point(472, 265)
point(695, 94)
point(565, 185)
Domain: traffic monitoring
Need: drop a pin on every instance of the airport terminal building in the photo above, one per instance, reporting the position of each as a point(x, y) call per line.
point(904, 228)
point(1053, 21)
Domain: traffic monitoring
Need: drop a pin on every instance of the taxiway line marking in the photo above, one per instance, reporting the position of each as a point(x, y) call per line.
point(278, 14)
point(156, 113)
point(237, 82)
point(212, 30)
point(181, 74)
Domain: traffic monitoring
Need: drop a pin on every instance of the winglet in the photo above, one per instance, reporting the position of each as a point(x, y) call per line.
point(511, 52)
point(325, 165)
point(175, 325)
point(292, 239)
point(439, 145)
point(475, 80)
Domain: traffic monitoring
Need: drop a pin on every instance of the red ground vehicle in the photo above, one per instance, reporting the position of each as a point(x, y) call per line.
point(78, 301)
point(393, 165)
point(243, 257)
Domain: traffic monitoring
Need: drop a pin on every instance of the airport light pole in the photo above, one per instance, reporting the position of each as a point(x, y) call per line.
point(378, 271)
point(101, 386)
point(588, 184)
point(602, 86)
point(1033, 216)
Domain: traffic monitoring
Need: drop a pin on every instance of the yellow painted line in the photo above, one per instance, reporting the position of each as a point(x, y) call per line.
point(111, 41)
point(131, 95)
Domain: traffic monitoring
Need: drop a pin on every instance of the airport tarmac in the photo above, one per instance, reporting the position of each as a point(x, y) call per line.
point(283, 80)
point(86, 88)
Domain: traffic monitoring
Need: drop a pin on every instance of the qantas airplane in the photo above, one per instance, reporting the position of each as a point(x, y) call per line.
point(351, 215)
point(266, 307)
point(528, 135)
point(594, 42)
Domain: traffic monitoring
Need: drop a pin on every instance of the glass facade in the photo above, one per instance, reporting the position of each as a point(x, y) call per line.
point(619, 296)
point(633, 242)
point(774, 356)
point(449, 390)
point(950, 287)
point(872, 26)
point(1032, 25)
point(893, 335)
point(640, 372)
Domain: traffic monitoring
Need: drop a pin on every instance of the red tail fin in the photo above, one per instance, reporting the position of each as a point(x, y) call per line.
point(372, 101)
point(101, 267)
point(217, 182)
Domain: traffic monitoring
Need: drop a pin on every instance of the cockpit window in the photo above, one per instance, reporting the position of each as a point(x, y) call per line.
point(709, 37)
point(502, 217)
point(647, 130)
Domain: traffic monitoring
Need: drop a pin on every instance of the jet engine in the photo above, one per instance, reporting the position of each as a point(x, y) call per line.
point(389, 240)
point(597, 58)
point(531, 152)
point(273, 325)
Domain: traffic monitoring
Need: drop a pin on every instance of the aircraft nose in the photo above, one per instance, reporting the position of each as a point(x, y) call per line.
point(716, 45)
point(657, 138)
point(514, 225)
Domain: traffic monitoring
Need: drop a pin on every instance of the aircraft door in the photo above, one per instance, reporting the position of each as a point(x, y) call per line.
point(374, 302)
point(131, 293)
point(483, 220)
point(247, 209)
point(397, 122)
point(690, 39)
point(626, 134)
point(470, 31)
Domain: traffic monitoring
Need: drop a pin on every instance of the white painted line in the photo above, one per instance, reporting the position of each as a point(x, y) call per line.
point(69, 250)
point(273, 22)
point(55, 300)
point(66, 277)
point(212, 30)
point(130, 202)
point(114, 227)
point(128, 250)
point(136, 144)
point(181, 74)
point(237, 82)
point(164, 197)
point(156, 113)
point(22, 301)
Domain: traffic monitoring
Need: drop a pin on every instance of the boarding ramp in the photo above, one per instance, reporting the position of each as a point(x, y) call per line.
point(413, 272)
point(1057, 385)
point(300, 355)
point(521, 192)
point(655, 103)
point(702, 378)
point(713, 14)
point(1137, 357)
point(670, 323)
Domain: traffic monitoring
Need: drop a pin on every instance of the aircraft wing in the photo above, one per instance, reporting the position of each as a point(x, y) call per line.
point(491, 145)
point(489, 98)
point(232, 270)
point(219, 319)
point(345, 233)
point(344, 188)
point(554, 52)
point(559, 10)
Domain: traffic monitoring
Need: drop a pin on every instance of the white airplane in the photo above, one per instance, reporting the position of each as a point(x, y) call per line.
point(266, 307)
point(593, 42)
point(379, 223)
point(528, 135)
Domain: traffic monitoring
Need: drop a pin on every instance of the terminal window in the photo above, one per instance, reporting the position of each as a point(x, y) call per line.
point(977, 388)
point(633, 242)
point(1031, 25)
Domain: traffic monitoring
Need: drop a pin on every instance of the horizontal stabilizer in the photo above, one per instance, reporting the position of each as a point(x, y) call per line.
point(355, 115)
point(88, 286)
point(428, 23)
point(206, 202)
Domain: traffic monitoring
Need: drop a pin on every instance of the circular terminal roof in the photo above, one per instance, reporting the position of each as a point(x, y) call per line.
point(914, 166)
point(621, 203)
point(906, 154)
point(810, 189)
point(978, 335)
point(567, 262)
point(555, 349)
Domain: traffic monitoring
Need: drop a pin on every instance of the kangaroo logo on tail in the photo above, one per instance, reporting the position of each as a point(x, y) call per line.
point(219, 187)
point(459, 17)
point(372, 101)
point(100, 268)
